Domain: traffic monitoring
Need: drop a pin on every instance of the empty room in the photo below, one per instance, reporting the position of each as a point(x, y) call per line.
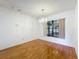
point(38, 29)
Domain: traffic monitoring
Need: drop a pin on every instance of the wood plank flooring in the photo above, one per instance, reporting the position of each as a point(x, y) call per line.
point(39, 49)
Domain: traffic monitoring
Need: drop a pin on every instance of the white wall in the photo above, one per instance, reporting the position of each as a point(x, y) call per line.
point(76, 27)
point(70, 29)
point(15, 28)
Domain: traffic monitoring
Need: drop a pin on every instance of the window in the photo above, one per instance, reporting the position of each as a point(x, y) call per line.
point(56, 28)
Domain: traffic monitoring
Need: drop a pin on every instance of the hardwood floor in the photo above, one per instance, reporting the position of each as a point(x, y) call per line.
point(39, 49)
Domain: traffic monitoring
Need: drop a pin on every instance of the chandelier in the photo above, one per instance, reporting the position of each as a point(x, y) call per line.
point(43, 17)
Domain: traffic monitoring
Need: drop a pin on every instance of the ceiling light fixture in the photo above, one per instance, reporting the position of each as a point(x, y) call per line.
point(43, 17)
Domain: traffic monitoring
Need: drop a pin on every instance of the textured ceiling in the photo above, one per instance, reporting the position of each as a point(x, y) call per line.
point(33, 7)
